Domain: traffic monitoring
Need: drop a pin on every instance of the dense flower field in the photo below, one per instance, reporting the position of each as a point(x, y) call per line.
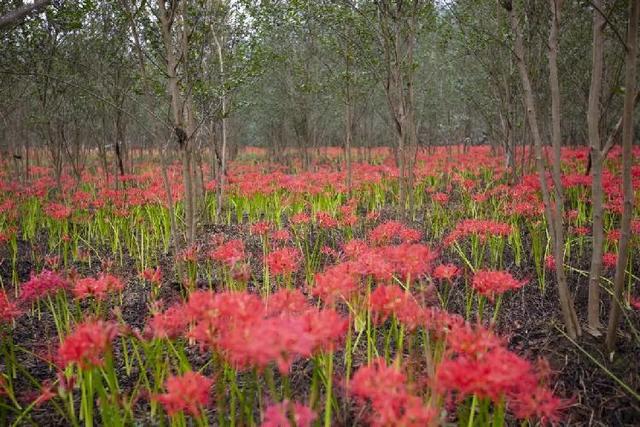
point(306, 304)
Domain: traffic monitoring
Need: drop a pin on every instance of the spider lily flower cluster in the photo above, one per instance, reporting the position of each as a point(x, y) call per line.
point(311, 304)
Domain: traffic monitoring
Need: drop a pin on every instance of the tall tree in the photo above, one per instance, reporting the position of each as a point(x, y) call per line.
point(554, 226)
point(627, 159)
point(597, 160)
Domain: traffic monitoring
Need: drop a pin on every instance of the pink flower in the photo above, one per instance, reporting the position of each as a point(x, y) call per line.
point(229, 253)
point(41, 285)
point(8, 310)
point(169, 324)
point(440, 198)
point(446, 272)
point(491, 283)
point(384, 387)
point(281, 415)
point(338, 281)
point(188, 392)
point(283, 261)
point(326, 221)
point(386, 232)
point(87, 344)
point(481, 228)
point(260, 228)
point(152, 275)
point(391, 300)
point(609, 260)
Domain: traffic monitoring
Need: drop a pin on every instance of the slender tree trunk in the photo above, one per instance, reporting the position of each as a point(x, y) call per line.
point(597, 196)
point(557, 211)
point(627, 185)
point(180, 105)
point(222, 173)
point(566, 302)
point(348, 120)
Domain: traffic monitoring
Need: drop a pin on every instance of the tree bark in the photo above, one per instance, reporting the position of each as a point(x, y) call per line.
point(180, 105)
point(597, 196)
point(557, 211)
point(566, 302)
point(627, 185)
point(222, 170)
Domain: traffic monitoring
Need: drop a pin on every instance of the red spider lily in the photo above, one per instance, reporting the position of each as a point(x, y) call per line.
point(89, 287)
point(338, 281)
point(81, 199)
point(325, 220)
point(247, 335)
point(217, 239)
point(281, 235)
point(377, 382)
point(57, 211)
point(494, 374)
point(112, 283)
point(613, 236)
point(385, 388)
point(300, 218)
point(97, 288)
point(282, 414)
point(7, 206)
point(45, 394)
point(440, 198)
point(283, 261)
point(327, 328)
point(280, 340)
point(8, 310)
point(525, 209)
point(373, 216)
point(229, 253)
point(286, 301)
point(609, 260)
point(189, 254)
point(550, 262)
point(52, 261)
point(374, 263)
point(390, 300)
point(215, 313)
point(413, 414)
point(635, 302)
point(169, 324)
point(41, 285)
point(261, 228)
point(491, 283)
point(409, 260)
point(540, 403)
point(464, 338)
point(446, 272)
point(387, 232)
point(152, 275)
point(480, 197)
point(329, 251)
point(571, 215)
point(87, 344)
point(441, 322)
point(188, 392)
point(580, 231)
point(354, 248)
point(477, 227)
point(348, 216)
